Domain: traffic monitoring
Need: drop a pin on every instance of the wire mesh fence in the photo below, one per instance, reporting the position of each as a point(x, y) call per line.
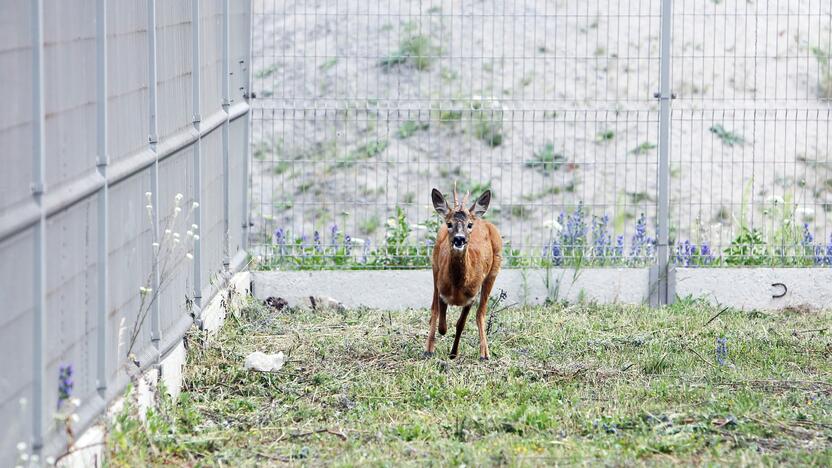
point(363, 107)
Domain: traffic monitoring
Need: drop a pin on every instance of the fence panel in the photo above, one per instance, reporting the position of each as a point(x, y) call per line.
point(750, 133)
point(101, 138)
point(363, 107)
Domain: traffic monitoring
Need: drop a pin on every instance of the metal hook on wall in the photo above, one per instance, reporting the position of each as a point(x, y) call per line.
point(780, 285)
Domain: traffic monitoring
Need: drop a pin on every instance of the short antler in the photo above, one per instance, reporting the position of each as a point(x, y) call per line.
point(465, 200)
point(455, 196)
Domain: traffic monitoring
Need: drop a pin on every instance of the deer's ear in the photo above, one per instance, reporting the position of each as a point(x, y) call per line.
point(481, 205)
point(439, 203)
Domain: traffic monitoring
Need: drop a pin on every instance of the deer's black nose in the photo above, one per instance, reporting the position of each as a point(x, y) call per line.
point(459, 241)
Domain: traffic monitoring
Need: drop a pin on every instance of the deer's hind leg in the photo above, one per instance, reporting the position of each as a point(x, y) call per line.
point(482, 309)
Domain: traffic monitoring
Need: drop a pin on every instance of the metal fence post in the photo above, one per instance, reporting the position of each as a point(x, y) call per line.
point(103, 196)
point(664, 154)
point(226, 103)
point(248, 95)
point(38, 188)
point(196, 76)
point(152, 139)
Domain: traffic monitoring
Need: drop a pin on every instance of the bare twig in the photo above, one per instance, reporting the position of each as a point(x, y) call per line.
point(715, 317)
point(340, 435)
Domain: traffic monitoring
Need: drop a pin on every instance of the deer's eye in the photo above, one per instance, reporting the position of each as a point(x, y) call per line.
point(470, 225)
point(450, 226)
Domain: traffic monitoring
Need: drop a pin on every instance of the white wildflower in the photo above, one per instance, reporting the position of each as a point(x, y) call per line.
point(75, 417)
point(148, 196)
point(175, 241)
point(76, 401)
point(24, 456)
point(178, 197)
point(176, 211)
point(194, 227)
point(167, 232)
point(196, 205)
point(156, 245)
point(554, 225)
point(149, 208)
point(50, 460)
point(189, 233)
point(189, 256)
point(21, 446)
point(196, 236)
point(176, 235)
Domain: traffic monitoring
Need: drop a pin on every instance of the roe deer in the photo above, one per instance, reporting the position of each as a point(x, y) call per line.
point(466, 260)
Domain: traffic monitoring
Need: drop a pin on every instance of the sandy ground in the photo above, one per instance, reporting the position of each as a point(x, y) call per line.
point(338, 81)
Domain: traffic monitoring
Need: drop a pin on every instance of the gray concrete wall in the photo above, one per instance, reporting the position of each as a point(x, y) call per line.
point(402, 289)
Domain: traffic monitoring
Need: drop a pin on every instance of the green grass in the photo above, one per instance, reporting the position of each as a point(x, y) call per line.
point(417, 51)
point(566, 384)
point(546, 160)
point(727, 137)
point(363, 152)
point(643, 148)
point(605, 136)
point(410, 128)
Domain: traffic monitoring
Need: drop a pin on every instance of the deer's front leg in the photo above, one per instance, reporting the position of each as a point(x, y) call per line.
point(482, 309)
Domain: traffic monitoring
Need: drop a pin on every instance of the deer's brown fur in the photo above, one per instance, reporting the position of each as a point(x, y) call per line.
point(461, 273)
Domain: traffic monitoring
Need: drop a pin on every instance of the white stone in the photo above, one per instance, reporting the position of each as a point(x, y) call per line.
point(263, 362)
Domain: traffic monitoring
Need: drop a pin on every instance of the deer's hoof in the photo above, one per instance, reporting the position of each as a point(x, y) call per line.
point(452, 355)
point(427, 354)
point(483, 358)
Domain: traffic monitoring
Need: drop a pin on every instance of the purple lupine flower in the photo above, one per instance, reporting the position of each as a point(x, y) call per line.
point(601, 238)
point(685, 252)
point(721, 350)
point(557, 253)
point(280, 240)
point(65, 383)
point(348, 244)
point(333, 236)
point(618, 252)
point(574, 233)
point(316, 238)
point(545, 254)
point(705, 254)
point(827, 253)
point(304, 242)
point(640, 238)
point(649, 247)
point(809, 247)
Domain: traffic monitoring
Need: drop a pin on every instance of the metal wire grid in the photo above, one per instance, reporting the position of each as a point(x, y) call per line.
point(363, 107)
point(750, 132)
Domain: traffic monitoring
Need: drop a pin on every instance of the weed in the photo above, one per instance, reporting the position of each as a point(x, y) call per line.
point(416, 50)
point(410, 127)
point(727, 137)
point(266, 72)
point(546, 160)
point(643, 148)
point(605, 136)
point(329, 63)
point(363, 152)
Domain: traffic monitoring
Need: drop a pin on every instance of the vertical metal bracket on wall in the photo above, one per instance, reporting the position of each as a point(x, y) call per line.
point(39, 422)
point(226, 103)
point(197, 194)
point(103, 197)
point(664, 96)
point(155, 313)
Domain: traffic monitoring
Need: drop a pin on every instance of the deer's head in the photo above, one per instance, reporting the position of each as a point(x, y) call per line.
point(459, 220)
